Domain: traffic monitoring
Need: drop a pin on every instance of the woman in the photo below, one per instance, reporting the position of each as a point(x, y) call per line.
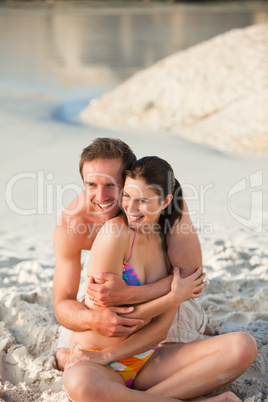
point(132, 245)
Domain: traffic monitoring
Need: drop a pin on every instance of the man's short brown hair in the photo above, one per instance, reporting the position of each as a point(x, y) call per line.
point(107, 148)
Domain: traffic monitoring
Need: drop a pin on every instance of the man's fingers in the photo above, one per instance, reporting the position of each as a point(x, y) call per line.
point(97, 303)
point(91, 285)
point(93, 288)
point(104, 276)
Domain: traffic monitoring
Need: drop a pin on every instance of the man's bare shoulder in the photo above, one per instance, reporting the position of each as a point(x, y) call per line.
point(76, 227)
point(79, 209)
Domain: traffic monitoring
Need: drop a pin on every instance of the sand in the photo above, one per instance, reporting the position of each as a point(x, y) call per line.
point(236, 298)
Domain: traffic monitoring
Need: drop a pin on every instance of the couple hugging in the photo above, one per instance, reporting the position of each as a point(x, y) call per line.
point(127, 340)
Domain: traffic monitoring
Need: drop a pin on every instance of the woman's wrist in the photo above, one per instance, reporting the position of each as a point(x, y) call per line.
point(106, 356)
point(174, 298)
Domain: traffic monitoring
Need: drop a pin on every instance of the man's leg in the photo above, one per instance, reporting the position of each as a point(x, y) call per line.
point(186, 371)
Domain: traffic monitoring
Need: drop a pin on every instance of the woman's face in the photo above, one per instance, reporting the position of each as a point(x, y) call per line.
point(141, 204)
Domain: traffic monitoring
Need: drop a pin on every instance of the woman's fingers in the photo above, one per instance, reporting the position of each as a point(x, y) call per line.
point(198, 289)
point(200, 279)
point(197, 273)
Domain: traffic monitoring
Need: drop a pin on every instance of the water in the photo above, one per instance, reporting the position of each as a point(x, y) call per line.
point(54, 58)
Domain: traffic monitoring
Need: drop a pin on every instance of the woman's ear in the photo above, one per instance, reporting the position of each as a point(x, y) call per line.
point(167, 201)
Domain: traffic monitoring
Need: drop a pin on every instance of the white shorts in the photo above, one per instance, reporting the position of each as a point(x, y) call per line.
point(189, 323)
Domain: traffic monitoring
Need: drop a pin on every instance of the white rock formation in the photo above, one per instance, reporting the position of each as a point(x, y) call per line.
point(215, 92)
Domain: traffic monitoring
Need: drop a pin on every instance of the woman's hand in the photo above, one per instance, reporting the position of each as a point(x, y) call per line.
point(85, 355)
point(187, 288)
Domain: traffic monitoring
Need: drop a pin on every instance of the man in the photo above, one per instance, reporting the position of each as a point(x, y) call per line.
point(102, 168)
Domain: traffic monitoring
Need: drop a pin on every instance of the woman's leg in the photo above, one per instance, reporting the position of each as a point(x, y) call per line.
point(189, 370)
point(91, 382)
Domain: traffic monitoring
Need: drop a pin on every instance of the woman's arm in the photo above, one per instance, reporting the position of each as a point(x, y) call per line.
point(112, 290)
point(157, 330)
point(147, 337)
point(108, 252)
point(186, 288)
point(109, 290)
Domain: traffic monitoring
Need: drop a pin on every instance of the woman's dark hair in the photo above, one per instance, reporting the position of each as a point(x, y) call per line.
point(159, 175)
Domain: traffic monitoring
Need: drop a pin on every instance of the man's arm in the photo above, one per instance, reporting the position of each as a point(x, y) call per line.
point(183, 245)
point(71, 313)
point(148, 336)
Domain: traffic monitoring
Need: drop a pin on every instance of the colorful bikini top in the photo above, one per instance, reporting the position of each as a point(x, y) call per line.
point(129, 274)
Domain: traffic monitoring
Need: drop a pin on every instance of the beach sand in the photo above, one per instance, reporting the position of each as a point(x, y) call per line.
point(236, 299)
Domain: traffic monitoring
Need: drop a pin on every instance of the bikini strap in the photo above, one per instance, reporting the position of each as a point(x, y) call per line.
point(133, 242)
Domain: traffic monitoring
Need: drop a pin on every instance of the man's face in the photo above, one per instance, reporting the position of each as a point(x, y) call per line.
point(103, 182)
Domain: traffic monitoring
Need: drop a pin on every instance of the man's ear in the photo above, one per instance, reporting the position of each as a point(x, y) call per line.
point(167, 201)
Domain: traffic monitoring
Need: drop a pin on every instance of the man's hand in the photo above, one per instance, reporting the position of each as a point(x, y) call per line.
point(107, 289)
point(110, 323)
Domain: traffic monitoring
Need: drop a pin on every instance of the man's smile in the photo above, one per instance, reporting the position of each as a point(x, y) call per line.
point(105, 206)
